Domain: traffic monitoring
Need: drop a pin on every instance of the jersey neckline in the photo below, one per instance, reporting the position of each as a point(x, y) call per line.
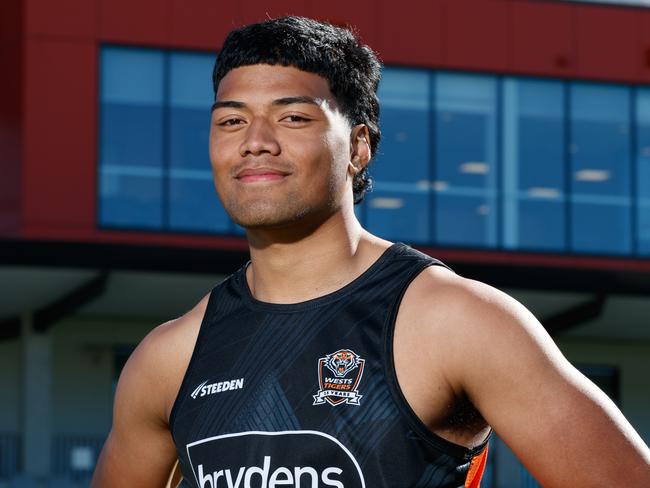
point(247, 295)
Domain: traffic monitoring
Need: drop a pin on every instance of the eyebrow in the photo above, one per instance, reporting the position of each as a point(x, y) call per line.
point(276, 102)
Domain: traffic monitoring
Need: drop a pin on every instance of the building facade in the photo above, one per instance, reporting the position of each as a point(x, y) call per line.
point(516, 147)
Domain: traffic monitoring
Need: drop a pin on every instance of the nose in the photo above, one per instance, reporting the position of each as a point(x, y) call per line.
point(259, 138)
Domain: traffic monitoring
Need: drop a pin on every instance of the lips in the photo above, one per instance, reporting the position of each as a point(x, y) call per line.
point(249, 175)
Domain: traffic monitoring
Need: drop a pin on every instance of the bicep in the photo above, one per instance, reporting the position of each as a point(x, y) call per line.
point(126, 461)
point(561, 426)
point(139, 450)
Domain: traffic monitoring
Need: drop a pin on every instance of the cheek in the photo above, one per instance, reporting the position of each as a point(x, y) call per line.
point(338, 148)
point(219, 154)
point(212, 148)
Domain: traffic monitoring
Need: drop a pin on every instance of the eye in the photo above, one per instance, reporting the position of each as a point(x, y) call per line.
point(295, 118)
point(231, 122)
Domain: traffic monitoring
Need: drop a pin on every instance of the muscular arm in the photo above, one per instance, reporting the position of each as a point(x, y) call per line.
point(562, 427)
point(139, 450)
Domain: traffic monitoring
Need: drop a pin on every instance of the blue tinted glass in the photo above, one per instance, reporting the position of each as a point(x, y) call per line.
point(600, 168)
point(533, 164)
point(398, 207)
point(131, 141)
point(193, 203)
point(465, 160)
point(643, 169)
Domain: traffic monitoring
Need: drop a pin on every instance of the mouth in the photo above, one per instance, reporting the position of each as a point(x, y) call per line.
point(253, 175)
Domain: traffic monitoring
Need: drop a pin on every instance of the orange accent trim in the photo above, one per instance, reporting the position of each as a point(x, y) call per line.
point(476, 469)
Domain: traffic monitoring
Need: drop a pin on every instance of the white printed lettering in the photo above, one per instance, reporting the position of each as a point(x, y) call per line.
point(329, 482)
point(298, 472)
point(275, 481)
point(204, 478)
point(300, 477)
point(263, 472)
point(240, 474)
point(221, 386)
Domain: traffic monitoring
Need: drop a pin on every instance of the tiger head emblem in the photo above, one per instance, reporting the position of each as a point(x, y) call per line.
point(342, 362)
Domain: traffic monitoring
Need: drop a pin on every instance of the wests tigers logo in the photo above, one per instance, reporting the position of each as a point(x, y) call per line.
point(342, 362)
point(339, 375)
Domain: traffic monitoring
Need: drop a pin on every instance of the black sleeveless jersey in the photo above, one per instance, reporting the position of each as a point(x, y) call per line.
point(305, 395)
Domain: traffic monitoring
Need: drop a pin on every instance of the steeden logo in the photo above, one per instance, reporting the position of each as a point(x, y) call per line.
point(219, 387)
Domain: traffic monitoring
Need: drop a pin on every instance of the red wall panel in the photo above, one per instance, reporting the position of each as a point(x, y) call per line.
point(11, 88)
point(542, 38)
point(202, 24)
point(135, 21)
point(10, 134)
point(476, 36)
point(59, 163)
point(413, 35)
point(362, 14)
point(258, 11)
point(69, 18)
point(11, 19)
point(643, 66)
point(607, 42)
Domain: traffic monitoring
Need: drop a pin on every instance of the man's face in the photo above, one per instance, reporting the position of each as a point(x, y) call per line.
point(279, 146)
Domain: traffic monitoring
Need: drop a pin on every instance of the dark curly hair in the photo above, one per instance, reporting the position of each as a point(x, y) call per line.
point(350, 67)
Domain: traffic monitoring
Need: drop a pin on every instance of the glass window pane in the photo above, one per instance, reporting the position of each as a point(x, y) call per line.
point(131, 137)
point(465, 160)
point(193, 203)
point(398, 207)
point(533, 164)
point(600, 168)
point(643, 169)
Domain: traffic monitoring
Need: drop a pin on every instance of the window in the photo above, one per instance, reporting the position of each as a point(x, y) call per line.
point(533, 164)
point(465, 160)
point(154, 167)
point(643, 170)
point(600, 168)
point(398, 207)
point(193, 203)
point(131, 138)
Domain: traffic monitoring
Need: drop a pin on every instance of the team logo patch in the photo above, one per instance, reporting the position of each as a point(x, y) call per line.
point(339, 375)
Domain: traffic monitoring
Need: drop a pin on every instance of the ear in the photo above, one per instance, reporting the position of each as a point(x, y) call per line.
point(360, 152)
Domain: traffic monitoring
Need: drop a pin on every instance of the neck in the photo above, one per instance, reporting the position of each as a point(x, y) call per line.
point(288, 266)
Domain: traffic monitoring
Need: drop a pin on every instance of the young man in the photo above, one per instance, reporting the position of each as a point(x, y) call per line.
point(335, 358)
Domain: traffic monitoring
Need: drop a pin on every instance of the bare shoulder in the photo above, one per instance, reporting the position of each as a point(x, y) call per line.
point(161, 359)
point(479, 325)
point(458, 327)
point(487, 346)
point(472, 306)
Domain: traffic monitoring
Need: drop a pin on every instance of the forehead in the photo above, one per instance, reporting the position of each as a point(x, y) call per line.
point(263, 82)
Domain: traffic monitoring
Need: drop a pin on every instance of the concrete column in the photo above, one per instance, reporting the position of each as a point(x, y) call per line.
point(36, 400)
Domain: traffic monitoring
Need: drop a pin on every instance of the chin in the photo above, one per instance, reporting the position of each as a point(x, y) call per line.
point(253, 216)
